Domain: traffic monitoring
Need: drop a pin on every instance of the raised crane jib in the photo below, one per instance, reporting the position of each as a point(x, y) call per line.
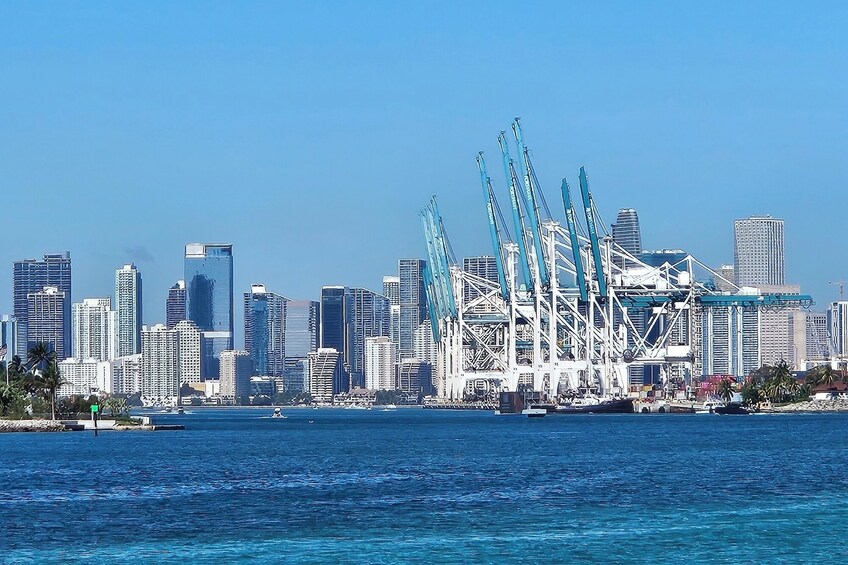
point(575, 243)
point(442, 248)
point(489, 195)
point(593, 234)
point(435, 292)
point(512, 183)
point(525, 167)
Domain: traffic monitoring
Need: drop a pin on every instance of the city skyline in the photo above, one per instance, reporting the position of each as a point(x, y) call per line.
point(669, 119)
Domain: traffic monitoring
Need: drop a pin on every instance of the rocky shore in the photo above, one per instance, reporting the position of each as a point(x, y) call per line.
point(31, 426)
point(815, 406)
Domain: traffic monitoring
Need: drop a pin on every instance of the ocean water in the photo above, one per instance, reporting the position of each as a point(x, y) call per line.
point(425, 486)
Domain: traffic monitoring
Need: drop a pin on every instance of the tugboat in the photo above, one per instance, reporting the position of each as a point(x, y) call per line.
point(591, 405)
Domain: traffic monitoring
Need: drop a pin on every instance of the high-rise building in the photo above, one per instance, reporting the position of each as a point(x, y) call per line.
point(160, 372)
point(391, 290)
point(31, 275)
point(337, 321)
point(327, 376)
point(48, 320)
point(209, 298)
point(128, 302)
point(414, 377)
point(191, 351)
point(127, 374)
point(837, 323)
point(379, 363)
point(626, 232)
point(94, 326)
point(371, 318)
point(302, 321)
point(80, 376)
point(236, 370)
point(175, 304)
point(413, 302)
point(724, 280)
point(817, 331)
point(9, 337)
point(758, 251)
point(265, 330)
point(731, 341)
point(484, 267)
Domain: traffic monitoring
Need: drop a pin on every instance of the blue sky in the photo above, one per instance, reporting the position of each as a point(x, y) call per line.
point(309, 134)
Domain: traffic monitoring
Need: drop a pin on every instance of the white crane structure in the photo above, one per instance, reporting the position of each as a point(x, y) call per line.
point(571, 311)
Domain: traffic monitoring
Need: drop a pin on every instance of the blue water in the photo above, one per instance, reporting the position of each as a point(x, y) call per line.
point(430, 486)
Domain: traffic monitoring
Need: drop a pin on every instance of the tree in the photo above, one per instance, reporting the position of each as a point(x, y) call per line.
point(726, 389)
point(50, 381)
point(40, 355)
point(751, 395)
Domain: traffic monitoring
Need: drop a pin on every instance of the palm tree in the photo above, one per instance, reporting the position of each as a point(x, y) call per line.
point(40, 356)
point(725, 389)
point(825, 375)
point(50, 381)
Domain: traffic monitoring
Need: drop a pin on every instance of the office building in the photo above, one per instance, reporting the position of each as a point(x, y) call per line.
point(413, 303)
point(209, 298)
point(817, 332)
point(391, 290)
point(127, 374)
point(296, 375)
point(337, 322)
point(48, 320)
point(627, 234)
point(302, 329)
point(837, 323)
point(9, 337)
point(80, 376)
point(380, 354)
point(175, 304)
point(730, 341)
point(128, 305)
point(327, 376)
point(265, 330)
point(484, 267)
point(94, 326)
point(371, 318)
point(31, 275)
point(414, 377)
point(160, 372)
point(190, 339)
point(724, 280)
point(236, 370)
point(758, 251)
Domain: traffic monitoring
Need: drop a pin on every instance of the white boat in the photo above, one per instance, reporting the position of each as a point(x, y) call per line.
point(709, 407)
point(534, 412)
point(277, 413)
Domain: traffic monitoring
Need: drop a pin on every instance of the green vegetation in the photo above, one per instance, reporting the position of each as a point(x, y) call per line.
point(778, 385)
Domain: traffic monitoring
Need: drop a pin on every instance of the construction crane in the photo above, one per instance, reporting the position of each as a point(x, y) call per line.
point(841, 285)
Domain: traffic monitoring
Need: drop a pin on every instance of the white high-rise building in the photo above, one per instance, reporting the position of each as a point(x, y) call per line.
point(758, 251)
point(837, 323)
point(236, 369)
point(380, 353)
point(128, 299)
point(326, 374)
point(80, 376)
point(190, 358)
point(94, 326)
point(127, 374)
point(160, 374)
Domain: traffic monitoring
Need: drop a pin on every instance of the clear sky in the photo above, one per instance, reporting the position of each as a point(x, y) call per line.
point(309, 134)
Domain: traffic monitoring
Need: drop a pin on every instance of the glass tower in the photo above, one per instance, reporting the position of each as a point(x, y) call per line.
point(337, 322)
point(128, 302)
point(32, 275)
point(175, 305)
point(209, 299)
point(627, 234)
point(371, 318)
point(265, 330)
point(413, 303)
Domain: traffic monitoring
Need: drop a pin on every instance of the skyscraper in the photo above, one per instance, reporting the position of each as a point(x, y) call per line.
point(94, 325)
point(391, 290)
point(337, 321)
point(31, 275)
point(190, 357)
point(9, 337)
point(48, 320)
point(327, 376)
point(414, 377)
point(758, 251)
point(209, 298)
point(379, 363)
point(302, 323)
point(837, 323)
point(236, 369)
point(128, 302)
point(626, 232)
point(484, 267)
point(371, 318)
point(160, 372)
point(413, 303)
point(175, 304)
point(265, 330)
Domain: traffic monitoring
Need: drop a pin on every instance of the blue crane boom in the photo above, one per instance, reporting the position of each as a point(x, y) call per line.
point(442, 248)
point(593, 233)
point(575, 243)
point(525, 167)
point(439, 300)
point(431, 310)
point(509, 171)
point(489, 195)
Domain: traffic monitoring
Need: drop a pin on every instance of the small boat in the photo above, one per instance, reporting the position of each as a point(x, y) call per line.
point(708, 407)
point(277, 413)
point(731, 408)
point(180, 410)
point(534, 412)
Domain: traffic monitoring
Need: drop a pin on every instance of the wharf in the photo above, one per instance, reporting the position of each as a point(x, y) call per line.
point(461, 406)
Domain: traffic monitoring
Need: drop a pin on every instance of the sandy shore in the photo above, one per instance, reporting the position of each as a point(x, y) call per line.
point(31, 426)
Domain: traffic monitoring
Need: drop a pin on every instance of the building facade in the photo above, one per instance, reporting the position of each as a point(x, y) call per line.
point(413, 303)
point(337, 322)
point(9, 337)
point(414, 377)
point(758, 251)
point(265, 330)
point(627, 234)
point(128, 305)
point(160, 372)
point(236, 370)
point(32, 275)
point(380, 354)
point(190, 339)
point(48, 320)
point(209, 298)
point(175, 304)
point(837, 323)
point(327, 376)
point(94, 327)
point(371, 318)
point(302, 337)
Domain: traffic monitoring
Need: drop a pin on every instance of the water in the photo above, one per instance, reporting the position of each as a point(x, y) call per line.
point(422, 486)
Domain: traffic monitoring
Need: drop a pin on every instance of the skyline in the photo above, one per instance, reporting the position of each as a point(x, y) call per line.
point(324, 125)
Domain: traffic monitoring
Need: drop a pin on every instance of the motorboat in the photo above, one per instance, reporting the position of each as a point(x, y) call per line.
point(709, 407)
point(731, 408)
point(534, 412)
point(277, 413)
point(594, 405)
